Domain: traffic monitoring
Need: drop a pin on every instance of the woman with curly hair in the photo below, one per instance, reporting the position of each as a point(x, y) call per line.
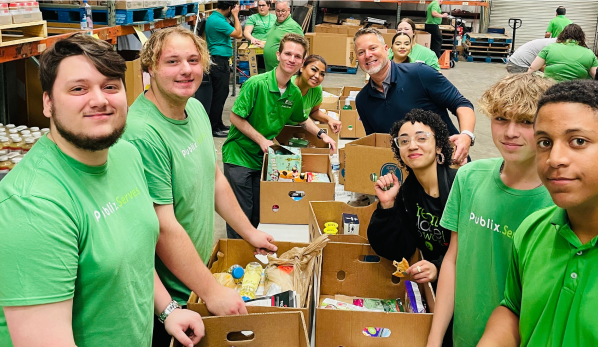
point(567, 59)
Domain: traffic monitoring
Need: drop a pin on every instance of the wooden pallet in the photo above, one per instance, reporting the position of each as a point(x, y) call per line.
point(139, 15)
point(15, 34)
point(71, 14)
point(341, 69)
point(487, 59)
point(489, 38)
point(181, 10)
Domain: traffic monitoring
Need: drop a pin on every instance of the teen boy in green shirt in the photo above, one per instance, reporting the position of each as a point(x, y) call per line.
point(488, 201)
point(551, 295)
point(265, 104)
point(558, 23)
point(284, 24)
point(77, 225)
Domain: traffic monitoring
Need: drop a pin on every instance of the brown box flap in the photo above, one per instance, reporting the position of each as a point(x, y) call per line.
point(331, 211)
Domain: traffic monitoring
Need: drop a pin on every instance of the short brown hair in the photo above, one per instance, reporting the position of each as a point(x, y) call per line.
point(101, 54)
point(515, 97)
point(365, 31)
point(152, 49)
point(300, 39)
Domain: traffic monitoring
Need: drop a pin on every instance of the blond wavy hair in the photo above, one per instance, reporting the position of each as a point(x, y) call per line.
point(152, 49)
point(515, 97)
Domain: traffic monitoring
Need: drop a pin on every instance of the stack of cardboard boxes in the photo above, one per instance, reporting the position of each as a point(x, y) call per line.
point(334, 43)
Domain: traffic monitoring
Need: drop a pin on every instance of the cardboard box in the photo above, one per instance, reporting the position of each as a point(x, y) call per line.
point(288, 202)
point(290, 131)
point(310, 40)
point(352, 126)
point(348, 30)
point(330, 18)
point(133, 75)
point(5, 20)
point(330, 103)
point(249, 53)
point(351, 21)
point(228, 252)
point(129, 4)
point(344, 271)
point(423, 38)
point(26, 18)
point(366, 160)
point(322, 212)
point(286, 329)
point(337, 49)
point(341, 159)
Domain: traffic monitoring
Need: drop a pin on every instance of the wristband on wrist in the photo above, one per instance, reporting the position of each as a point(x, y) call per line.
point(168, 310)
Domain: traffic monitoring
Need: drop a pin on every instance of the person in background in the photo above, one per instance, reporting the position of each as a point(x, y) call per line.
point(401, 47)
point(396, 89)
point(524, 56)
point(284, 24)
point(550, 295)
point(171, 130)
point(488, 201)
point(77, 224)
point(558, 23)
point(309, 81)
point(218, 35)
point(265, 104)
point(434, 17)
point(568, 58)
point(258, 24)
point(418, 52)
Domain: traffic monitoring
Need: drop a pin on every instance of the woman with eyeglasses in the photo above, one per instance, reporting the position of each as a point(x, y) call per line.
point(401, 47)
point(258, 25)
point(408, 215)
point(418, 52)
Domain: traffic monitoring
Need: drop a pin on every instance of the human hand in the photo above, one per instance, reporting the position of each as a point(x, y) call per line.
point(327, 139)
point(423, 271)
point(462, 143)
point(336, 125)
point(262, 242)
point(225, 302)
point(180, 321)
point(444, 15)
point(265, 144)
point(260, 44)
point(387, 187)
point(235, 10)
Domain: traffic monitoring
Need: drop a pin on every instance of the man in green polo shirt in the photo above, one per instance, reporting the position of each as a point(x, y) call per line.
point(284, 24)
point(551, 293)
point(434, 17)
point(265, 104)
point(558, 23)
point(218, 35)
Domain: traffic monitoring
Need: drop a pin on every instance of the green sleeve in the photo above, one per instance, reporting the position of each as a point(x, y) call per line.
point(157, 168)
point(318, 96)
point(432, 60)
point(544, 52)
point(391, 54)
point(250, 20)
point(245, 102)
point(222, 26)
point(452, 209)
point(39, 252)
point(298, 115)
point(513, 289)
point(436, 7)
point(594, 60)
point(550, 27)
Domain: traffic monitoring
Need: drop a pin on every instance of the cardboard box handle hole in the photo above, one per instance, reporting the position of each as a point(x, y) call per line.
point(296, 195)
point(341, 275)
point(369, 258)
point(376, 332)
point(395, 279)
point(235, 336)
point(275, 208)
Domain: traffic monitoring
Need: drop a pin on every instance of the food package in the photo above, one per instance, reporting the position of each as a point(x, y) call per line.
point(225, 279)
point(284, 163)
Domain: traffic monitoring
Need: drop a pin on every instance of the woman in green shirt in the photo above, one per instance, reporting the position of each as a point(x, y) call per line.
point(258, 25)
point(309, 80)
point(418, 52)
point(568, 58)
point(401, 47)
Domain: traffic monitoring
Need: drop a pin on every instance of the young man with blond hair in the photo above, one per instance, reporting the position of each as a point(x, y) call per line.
point(171, 130)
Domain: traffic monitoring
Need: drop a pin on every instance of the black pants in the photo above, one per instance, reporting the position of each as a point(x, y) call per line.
point(246, 186)
point(220, 78)
point(436, 44)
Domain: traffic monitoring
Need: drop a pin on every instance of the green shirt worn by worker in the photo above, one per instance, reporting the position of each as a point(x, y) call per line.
point(274, 37)
point(180, 167)
point(485, 213)
point(218, 30)
point(86, 233)
point(261, 25)
point(552, 284)
point(568, 61)
point(420, 54)
point(310, 100)
point(261, 104)
point(434, 6)
point(557, 24)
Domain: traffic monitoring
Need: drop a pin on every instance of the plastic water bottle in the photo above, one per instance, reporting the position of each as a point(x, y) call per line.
point(85, 16)
point(347, 104)
point(237, 272)
point(339, 190)
point(251, 280)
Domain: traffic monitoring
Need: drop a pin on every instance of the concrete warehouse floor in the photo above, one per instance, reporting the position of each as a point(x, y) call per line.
point(472, 79)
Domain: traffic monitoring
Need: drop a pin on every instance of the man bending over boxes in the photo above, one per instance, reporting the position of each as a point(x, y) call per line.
point(264, 105)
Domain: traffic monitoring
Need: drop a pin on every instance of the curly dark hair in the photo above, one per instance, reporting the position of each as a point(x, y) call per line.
point(438, 127)
point(577, 91)
point(572, 32)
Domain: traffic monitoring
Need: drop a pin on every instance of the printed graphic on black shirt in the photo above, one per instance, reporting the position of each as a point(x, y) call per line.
point(428, 226)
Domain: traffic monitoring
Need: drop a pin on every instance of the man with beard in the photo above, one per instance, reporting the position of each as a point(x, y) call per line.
point(77, 225)
point(396, 89)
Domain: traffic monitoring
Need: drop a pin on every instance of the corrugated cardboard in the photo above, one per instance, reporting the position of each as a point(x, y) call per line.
point(330, 18)
point(290, 131)
point(241, 252)
point(330, 103)
point(276, 205)
point(348, 30)
point(366, 160)
point(341, 159)
point(331, 211)
point(310, 40)
point(351, 21)
point(370, 280)
point(27, 17)
point(268, 329)
point(423, 38)
point(337, 49)
point(133, 80)
point(352, 126)
point(129, 4)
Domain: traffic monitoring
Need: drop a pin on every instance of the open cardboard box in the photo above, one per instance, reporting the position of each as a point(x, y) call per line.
point(242, 253)
point(330, 103)
point(322, 212)
point(366, 160)
point(288, 202)
point(290, 131)
point(254, 330)
point(336, 48)
point(343, 272)
point(352, 126)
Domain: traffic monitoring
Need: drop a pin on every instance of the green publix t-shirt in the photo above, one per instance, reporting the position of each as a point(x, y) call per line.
point(179, 159)
point(485, 213)
point(86, 233)
point(310, 100)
